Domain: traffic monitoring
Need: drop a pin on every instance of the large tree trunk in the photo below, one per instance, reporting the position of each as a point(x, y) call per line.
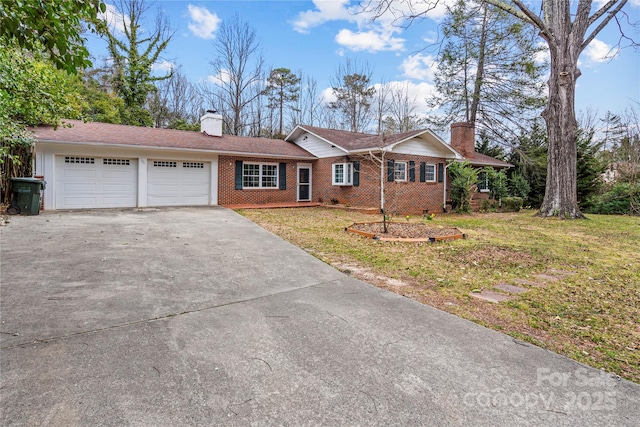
point(561, 197)
point(477, 89)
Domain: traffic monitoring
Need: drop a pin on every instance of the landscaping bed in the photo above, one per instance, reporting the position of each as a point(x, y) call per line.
point(404, 230)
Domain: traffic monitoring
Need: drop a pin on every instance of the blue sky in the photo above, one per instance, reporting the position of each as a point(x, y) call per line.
point(315, 37)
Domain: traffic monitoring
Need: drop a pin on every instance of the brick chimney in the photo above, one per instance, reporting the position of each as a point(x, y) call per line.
point(463, 138)
point(211, 123)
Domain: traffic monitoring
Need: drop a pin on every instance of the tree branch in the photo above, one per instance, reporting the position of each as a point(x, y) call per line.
point(521, 12)
point(601, 11)
point(604, 22)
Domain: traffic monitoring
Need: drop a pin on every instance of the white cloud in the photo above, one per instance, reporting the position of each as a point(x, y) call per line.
point(599, 3)
point(220, 79)
point(327, 96)
point(368, 40)
point(543, 56)
point(431, 37)
point(325, 11)
point(203, 24)
point(418, 93)
point(435, 10)
point(114, 19)
point(363, 12)
point(599, 51)
point(419, 67)
point(163, 66)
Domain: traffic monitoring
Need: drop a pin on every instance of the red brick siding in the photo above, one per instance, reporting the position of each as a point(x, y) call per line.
point(400, 197)
point(228, 195)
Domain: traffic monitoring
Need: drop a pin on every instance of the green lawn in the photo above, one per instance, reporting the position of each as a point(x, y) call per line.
point(592, 314)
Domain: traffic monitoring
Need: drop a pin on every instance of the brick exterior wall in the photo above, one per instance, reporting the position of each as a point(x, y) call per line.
point(228, 195)
point(400, 197)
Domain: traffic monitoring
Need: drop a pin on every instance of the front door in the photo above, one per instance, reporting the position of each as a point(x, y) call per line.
point(304, 183)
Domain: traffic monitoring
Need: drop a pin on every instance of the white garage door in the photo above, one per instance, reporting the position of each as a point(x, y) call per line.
point(95, 182)
point(176, 183)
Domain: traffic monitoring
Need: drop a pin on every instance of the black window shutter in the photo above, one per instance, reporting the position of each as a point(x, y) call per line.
point(440, 172)
point(238, 174)
point(283, 176)
point(423, 171)
point(390, 170)
point(412, 171)
point(356, 173)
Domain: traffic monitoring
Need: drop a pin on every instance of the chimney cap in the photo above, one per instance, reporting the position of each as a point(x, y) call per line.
point(463, 124)
point(212, 111)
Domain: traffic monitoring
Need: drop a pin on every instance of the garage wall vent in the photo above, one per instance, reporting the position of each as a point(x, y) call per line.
point(119, 162)
point(159, 164)
point(193, 165)
point(84, 160)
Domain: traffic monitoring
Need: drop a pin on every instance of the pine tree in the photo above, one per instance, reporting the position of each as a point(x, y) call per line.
point(282, 89)
point(487, 71)
point(354, 95)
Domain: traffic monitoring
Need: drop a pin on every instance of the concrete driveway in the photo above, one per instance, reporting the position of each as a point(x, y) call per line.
point(196, 316)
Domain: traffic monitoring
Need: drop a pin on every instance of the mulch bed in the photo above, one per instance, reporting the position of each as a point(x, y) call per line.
point(405, 230)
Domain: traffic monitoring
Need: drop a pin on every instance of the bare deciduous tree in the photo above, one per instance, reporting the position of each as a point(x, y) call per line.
point(401, 110)
point(238, 68)
point(176, 100)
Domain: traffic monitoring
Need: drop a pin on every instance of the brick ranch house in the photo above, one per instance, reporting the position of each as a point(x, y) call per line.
point(100, 165)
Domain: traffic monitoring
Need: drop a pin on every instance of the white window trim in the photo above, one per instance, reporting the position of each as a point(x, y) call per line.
point(260, 175)
point(426, 172)
point(347, 176)
point(486, 183)
point(406, 167)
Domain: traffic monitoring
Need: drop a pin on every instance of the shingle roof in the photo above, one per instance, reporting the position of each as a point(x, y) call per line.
point(353, 141)
point(110, 134)
point(342, 138)
point(479, 159)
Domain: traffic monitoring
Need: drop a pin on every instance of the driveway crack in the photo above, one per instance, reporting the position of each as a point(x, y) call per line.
point(159, 318)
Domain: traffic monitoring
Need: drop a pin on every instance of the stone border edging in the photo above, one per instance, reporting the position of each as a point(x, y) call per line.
point(374, 236)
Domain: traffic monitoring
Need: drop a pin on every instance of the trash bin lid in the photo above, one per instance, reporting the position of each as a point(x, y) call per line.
point(27, 179)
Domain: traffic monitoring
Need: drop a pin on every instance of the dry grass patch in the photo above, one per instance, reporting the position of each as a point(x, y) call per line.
point(588, 307)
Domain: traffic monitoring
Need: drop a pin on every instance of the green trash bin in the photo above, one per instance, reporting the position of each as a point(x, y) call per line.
point(26, 196)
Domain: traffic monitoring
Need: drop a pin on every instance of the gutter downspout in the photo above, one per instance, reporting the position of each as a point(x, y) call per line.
point(444, 190)
point(382, 175)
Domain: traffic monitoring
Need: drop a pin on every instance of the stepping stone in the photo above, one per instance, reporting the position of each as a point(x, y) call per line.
point(510, 288)
point(561, 273)
point(528, 283)
point(546, 277)
point(490, 296)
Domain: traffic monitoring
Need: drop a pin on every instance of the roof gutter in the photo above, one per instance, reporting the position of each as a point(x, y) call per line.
point(193, 150)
